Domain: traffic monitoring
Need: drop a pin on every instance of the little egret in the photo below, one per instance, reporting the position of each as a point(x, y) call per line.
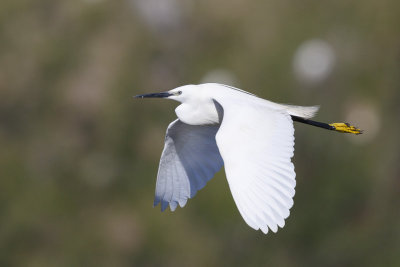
point(254, 138)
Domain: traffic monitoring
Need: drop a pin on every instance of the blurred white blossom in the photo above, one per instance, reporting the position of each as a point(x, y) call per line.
point(313, 61)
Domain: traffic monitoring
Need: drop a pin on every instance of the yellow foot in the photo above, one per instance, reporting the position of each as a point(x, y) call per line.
point(345, 128)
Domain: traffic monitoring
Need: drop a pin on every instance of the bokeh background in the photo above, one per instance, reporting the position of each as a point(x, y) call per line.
point(79, 156)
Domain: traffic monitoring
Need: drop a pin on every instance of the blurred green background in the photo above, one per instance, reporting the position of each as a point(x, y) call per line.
point(79, 156)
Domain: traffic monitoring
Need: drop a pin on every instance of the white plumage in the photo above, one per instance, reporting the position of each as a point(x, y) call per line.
point(254, 138)
point(190, 158)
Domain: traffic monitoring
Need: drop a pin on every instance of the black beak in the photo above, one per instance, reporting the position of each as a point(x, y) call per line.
point(154, 95)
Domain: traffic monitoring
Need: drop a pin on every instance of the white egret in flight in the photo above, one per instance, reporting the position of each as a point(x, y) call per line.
point(254, 138)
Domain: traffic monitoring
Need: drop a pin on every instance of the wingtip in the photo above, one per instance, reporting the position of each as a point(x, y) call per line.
point(155, 202)
point(264, 230)
point(173, 205)
point(164, 206)
point(182, 203)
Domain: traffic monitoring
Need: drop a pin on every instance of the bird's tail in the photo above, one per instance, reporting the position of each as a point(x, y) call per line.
point(302, 112)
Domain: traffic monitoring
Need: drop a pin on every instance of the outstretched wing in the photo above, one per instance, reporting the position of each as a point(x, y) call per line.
point(189, 160)
point(256, 143)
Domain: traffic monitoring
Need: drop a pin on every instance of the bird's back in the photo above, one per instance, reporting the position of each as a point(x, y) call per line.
point(241, 97)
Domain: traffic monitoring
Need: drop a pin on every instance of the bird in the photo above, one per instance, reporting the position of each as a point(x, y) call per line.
point(219, 125)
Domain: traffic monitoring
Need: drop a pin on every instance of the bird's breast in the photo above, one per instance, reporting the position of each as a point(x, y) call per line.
point(199, 113)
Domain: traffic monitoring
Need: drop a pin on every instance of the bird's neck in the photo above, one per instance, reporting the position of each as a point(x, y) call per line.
point(199, 113)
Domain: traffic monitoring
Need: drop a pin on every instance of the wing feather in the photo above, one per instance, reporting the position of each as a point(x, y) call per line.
point(189, 160)
point(256, 143)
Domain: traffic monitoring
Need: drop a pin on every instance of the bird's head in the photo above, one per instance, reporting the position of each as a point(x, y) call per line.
point(180, 94)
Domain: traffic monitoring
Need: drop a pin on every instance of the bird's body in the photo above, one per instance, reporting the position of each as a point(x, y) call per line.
point(254, 138)
point(202, 109)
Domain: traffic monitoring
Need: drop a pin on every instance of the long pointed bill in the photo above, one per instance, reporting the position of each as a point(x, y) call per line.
point(154, 95)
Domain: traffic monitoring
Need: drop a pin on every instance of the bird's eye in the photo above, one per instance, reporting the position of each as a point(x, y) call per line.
point(179, 92)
